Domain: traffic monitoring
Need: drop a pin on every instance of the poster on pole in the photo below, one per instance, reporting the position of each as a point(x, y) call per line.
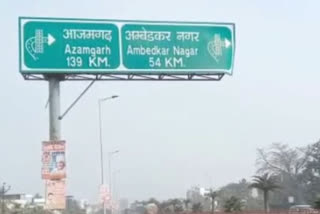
point(104, 195)
point(53, 160)
point(56, 195)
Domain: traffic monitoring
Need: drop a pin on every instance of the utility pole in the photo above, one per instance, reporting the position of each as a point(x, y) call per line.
point(54, 108)
point(100, 101)
point(110, 178)
point(54, 112)
point(4, 190)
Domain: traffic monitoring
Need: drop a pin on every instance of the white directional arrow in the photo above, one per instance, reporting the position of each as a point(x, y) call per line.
point(51, 39)
point(227, 43)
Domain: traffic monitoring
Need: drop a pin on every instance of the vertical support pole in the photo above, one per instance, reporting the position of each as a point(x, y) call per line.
point(54, 108)
point(101, 156)
point(101, 145)
point(110, 183)
point(54, 111)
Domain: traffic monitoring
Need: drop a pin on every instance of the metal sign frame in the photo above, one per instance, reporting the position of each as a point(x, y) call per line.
point(124, 77)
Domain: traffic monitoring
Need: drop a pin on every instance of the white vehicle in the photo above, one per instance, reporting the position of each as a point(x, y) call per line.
point(299, 208)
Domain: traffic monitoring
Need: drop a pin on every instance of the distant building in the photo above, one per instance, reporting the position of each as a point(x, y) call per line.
point(123, 204)
point(70, 202)
point(254, 193)
point(137, 208)
point(93, 208)
point(13, 197)
point(74, 205)
point(39, 202)
point(24, 200)
point(198, 195)
point(83, 204)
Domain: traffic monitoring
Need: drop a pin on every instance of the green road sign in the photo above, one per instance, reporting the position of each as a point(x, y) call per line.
point(173, 47)
point(70, 46)
point(82, 46)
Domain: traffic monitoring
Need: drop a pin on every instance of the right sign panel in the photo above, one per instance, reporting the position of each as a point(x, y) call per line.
point(177, 47)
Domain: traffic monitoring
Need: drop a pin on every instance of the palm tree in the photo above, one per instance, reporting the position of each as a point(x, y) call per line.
point(265, 183)
point(212, 195)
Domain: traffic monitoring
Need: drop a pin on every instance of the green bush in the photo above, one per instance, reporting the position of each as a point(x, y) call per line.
point(317, 204)
point(233, 204)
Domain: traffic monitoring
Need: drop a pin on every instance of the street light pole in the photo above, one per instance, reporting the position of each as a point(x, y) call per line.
point(100, 101)
point(110, 177)
point(114, 185)
point(101, 146)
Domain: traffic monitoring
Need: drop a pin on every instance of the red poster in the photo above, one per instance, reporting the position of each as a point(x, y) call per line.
point(53, 160)
point(56, 195)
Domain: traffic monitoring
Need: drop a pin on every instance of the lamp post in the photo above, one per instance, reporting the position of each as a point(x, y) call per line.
point(100, 101)
point(115, 187)
point(110, 154)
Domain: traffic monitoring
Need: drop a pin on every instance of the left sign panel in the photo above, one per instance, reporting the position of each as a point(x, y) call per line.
point(66, 46)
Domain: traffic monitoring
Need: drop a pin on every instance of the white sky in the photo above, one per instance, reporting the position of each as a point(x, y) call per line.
point(171, 135)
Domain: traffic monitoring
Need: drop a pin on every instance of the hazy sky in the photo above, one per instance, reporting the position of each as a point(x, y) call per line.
point(171, 135)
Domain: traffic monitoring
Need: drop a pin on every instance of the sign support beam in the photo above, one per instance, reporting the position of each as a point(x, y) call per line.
point(132, 77)
point(76, 100)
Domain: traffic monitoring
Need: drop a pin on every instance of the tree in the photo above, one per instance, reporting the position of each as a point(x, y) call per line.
point(233, 204)
point(317, 204)
point(287, 164)
point(178, 209)
point(311, 174)
point(35, 210)
point(164, 207)
point(265, 183)
point(239, 190)
point(212, 195)
point(242, 191)
point(280, 158)
point(151, 208)
point(4, 189)
point(153, 201)
point(138, 206)
point(197, 207)
point(17, 208)
point(186, 203)
point(177, 205)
